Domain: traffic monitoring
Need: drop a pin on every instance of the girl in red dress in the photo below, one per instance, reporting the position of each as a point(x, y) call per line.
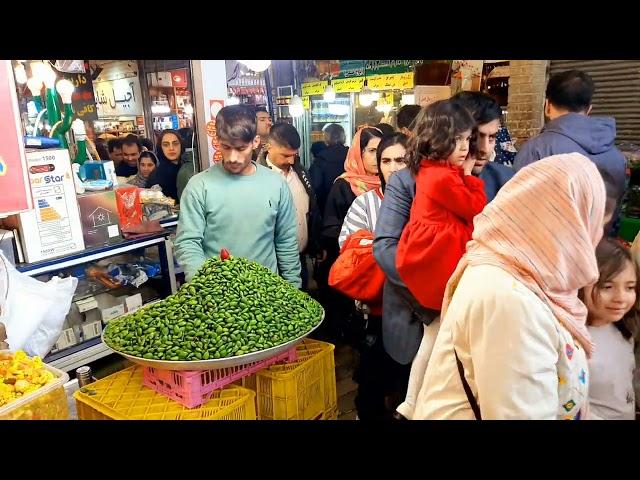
point(447, 199)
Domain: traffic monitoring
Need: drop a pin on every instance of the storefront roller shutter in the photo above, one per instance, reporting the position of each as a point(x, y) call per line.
point(617, 92)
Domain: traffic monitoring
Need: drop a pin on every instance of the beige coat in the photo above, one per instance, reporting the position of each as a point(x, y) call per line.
point(519, 361)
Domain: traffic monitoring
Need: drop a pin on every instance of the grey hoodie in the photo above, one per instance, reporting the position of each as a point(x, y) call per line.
point(591, 136)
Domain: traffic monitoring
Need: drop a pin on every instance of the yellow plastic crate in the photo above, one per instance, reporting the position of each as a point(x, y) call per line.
point(122, 396)
point(46, 403)
point(301, 390)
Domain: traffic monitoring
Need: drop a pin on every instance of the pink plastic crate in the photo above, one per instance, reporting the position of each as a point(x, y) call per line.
point(192, 388)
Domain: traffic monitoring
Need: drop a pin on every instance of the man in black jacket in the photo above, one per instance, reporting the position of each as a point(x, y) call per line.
point(282, 157)
point(329, 164)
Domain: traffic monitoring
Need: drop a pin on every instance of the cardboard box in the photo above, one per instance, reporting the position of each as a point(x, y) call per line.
point(99, 217)
point(164, 79)
point(53, 227)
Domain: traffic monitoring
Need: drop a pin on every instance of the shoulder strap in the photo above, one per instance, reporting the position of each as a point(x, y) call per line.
point(467, 389)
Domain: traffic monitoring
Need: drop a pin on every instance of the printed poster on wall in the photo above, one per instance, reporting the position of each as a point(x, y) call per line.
point(83, 99)
point(214, 108)
point(118, 97)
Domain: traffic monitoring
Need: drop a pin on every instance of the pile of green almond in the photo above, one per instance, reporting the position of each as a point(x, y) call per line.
point(231, 307)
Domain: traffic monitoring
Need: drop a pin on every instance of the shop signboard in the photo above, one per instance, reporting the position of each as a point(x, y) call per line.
point(427, 94)
point(392, 81)
point(13, 160)
point(386, 67)
point(179, 78)
point(348, 85)
point(314, 88)
point(118, 97)
point(83, 99)
point(214, 108)
point(351, 68)
point(361, 68)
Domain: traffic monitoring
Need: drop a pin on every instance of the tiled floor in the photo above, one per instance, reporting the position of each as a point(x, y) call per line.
point(346, 359)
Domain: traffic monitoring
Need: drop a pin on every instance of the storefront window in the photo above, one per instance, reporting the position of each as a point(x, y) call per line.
point(170, 94)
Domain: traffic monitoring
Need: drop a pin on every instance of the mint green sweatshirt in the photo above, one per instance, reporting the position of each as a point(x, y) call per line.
point(252, 216)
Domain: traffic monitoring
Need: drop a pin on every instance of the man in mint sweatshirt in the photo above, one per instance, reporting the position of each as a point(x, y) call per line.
point(238, 205)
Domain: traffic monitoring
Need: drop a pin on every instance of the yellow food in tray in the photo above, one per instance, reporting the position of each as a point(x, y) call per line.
point(21, 375)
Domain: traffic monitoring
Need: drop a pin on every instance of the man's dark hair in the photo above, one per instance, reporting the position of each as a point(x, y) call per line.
point(406, 115)
point(261, 109)
point(571, 90)
point(286, 135)
point(146, 143)
point(482, 106)
point(385, 128)
point(132, 140)
point(114, 143)
point(335, 135)
point(237, 123)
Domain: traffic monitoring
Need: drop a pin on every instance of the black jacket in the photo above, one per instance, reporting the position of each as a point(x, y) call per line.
point(314, 218)
point(340, 199)
point(328, 165)
point(166, 175)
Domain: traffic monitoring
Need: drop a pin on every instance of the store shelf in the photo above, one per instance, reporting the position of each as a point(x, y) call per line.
point(171, 221)
point(90, 255)
point(78, 355)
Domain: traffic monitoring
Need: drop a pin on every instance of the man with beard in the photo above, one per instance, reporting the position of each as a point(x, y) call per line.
point(403, 317)
point(238, 205)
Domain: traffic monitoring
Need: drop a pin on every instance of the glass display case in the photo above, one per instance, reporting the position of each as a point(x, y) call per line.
point(112, 281)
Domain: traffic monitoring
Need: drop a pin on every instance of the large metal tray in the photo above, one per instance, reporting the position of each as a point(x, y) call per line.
point(213, 364)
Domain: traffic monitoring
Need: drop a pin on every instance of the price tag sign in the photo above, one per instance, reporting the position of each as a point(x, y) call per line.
point(306, 103)
point(348, 85)
point(393, 81)
point(313, 88)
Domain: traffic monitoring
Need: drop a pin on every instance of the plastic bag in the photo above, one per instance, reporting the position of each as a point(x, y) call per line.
point(34, 311)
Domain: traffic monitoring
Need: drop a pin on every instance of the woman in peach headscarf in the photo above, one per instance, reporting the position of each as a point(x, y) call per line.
point(361, 175)
point(513, 342)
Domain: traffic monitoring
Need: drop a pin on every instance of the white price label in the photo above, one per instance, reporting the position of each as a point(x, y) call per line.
point(87, 304)
point(134, 302)
point(111, 313)
point(67, 339)
point(92, 330)
point(113, 231)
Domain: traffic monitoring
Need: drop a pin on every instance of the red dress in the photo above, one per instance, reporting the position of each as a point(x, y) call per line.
point(439, 227)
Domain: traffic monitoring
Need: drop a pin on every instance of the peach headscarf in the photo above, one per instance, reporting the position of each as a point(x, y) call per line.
point(355, 173)
point(543, 228)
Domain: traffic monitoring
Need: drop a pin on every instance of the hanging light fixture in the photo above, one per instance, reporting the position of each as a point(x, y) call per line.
point(65, 88)
point(366, 95)
point(48, 75)
point(256, 65)
point(233, 100)
point(296, 107)
point(329, 92)
point(37, 70)
point(20, 73)
point(384, 108)
point(34, 84)
point(408, 99)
